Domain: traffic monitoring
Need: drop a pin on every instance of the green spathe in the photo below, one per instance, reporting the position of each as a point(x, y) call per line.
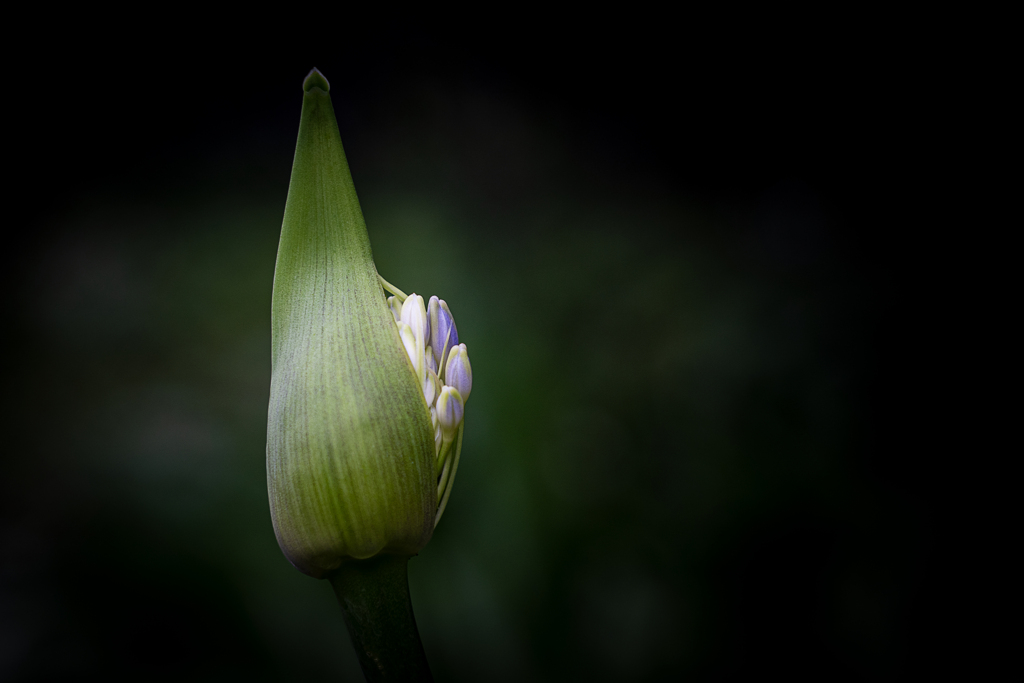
point(350, 448)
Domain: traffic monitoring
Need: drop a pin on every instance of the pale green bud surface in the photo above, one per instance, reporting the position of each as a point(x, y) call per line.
point(351, 451)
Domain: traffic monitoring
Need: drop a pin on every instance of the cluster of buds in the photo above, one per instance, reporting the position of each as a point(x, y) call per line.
point(441, 365)
point(361, 454)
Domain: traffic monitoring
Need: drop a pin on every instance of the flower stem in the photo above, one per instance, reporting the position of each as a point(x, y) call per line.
point(443, 503)
point(374, 597)
point(402, 296)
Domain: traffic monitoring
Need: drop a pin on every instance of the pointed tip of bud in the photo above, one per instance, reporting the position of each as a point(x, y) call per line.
point(315, 79)
point(415, 315)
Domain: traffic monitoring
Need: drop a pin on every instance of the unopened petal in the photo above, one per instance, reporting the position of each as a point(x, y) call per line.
point(458, 372)
point(414, 314)
point(450, 408)
point(395, 307)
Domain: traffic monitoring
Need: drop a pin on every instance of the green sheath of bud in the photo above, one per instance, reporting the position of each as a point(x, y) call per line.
point(350, 448)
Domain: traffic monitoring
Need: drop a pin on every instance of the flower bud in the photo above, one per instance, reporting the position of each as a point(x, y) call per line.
point(408, 338)
point(350, 444)
point(395, 306)
point(437, 429)
point(458, 373)
point(450, 408)
point(428, 356)
point(415, 316)
point(443, 335)
point(431, 386)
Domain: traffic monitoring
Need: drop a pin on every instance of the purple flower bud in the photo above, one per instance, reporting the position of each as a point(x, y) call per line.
point(450, 319)
point(443, 334)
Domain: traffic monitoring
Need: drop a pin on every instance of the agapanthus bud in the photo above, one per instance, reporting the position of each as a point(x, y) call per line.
point(395, 306)
point(436, 427)
point(447, 400)
point(458, 373)
point(351, 463)
point(409, 341)
point(443, 334)
point(450, 408)
point(414, 314)
point(431, 386)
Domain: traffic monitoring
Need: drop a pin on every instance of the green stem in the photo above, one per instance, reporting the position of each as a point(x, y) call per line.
point(374, 597)
point(402, 296)
point(451, 476)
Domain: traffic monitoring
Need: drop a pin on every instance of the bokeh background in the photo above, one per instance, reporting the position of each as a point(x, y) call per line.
point(683, 454)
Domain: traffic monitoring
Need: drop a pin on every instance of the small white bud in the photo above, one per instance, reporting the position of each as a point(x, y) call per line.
point(436, 426)
point(450, 408)
point(431, 387)
point(414, 314)
point(415, 354)
point(431, 361)
point(395, 307)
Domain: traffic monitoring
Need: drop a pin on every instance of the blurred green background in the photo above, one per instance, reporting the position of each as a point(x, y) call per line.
point(670, 282)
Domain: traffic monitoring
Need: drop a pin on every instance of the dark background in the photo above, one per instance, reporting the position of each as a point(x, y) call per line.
point(679, 269)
